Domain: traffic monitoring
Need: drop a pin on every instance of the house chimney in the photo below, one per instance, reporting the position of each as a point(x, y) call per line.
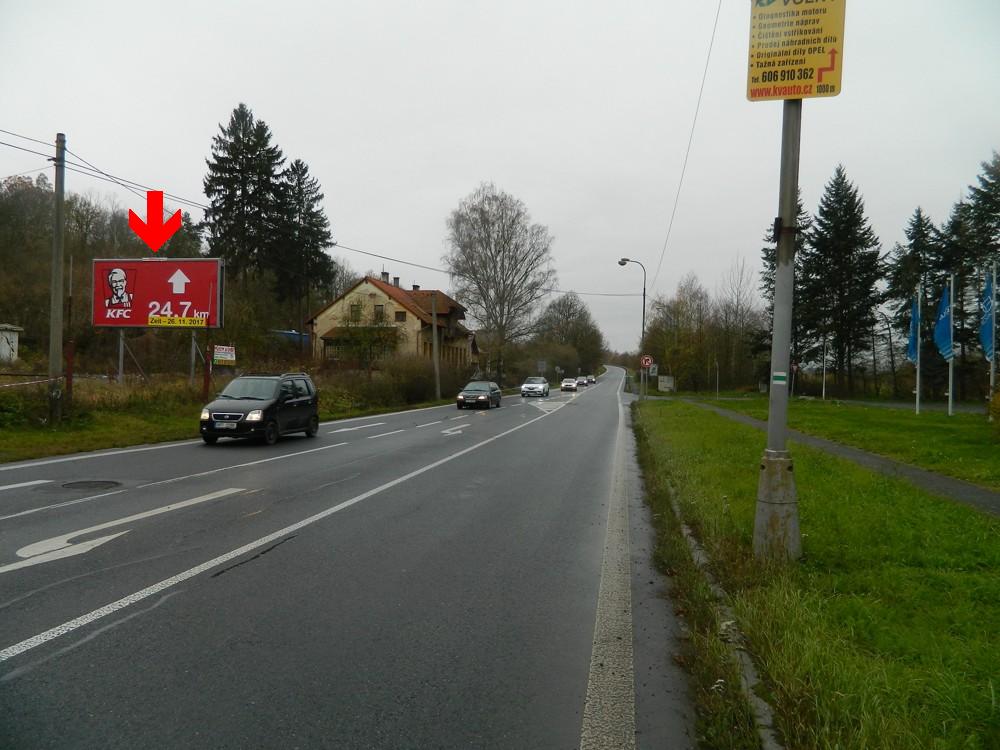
point(385, 276)
point(416, 287)
point(395, 281)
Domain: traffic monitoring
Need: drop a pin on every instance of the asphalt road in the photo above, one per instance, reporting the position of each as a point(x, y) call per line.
point(433, 578)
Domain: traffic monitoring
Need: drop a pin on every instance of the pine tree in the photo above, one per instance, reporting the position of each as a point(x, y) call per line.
point(769, 262)
point(242, 186)
point(841, 267)
point(908, 265)
point(985, 200)
point(297, 257)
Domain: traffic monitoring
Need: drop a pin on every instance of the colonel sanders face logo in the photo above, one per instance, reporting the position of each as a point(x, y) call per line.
point(120, 297)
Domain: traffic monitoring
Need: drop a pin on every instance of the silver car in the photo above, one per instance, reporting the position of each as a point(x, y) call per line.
point(535, 387)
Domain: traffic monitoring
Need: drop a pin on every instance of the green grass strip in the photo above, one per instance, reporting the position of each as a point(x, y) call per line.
point(887, 633)
point(964, 446)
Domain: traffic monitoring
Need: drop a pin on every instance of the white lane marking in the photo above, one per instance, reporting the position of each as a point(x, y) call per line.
point(359, 427)
point(609, 709)
point(452, 419)
point(456, 430)
point(428, 424)
point(68, 627)
point(240, 466)
point(372, 437)
point(61, 505)
point(25, 484)
point(58, 547)
point(449, 405)
point(33, 464)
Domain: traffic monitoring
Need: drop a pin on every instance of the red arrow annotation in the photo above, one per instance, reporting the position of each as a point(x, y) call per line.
point(833, 66)
point(154, 231)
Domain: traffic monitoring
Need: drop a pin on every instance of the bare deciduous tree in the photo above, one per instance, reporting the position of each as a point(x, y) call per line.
point(500, 265)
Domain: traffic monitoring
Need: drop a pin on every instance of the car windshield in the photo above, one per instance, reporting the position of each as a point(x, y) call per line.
point(477, 385)
point(534, 380)
point(254, 388)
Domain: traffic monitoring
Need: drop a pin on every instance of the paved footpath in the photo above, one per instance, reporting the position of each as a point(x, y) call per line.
point(954, 489)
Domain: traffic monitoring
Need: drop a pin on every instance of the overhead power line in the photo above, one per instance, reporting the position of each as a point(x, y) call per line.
point(34, 140)
point(552, 290)
point(687, 152)
point(90, 170)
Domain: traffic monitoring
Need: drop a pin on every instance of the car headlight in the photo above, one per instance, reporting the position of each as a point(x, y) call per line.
point(205, 415)
point(461, 397)
point(255, 416)
point(482, 398)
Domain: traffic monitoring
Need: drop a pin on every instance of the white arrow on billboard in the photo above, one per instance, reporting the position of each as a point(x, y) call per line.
point(179, 281)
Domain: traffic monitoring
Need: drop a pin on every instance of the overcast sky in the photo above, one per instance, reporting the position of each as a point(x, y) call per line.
point(580, 109)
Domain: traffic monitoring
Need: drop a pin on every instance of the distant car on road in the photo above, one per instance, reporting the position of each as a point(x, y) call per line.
point(582, 380)
point(479, 393)
point(568, 384)
point(591, 379)
point(262, 406)
point(535, 387)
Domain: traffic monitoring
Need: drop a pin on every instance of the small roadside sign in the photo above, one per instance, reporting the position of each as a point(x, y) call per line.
point(223, 355)
point(796, 50)
point(646, 360)
point(654, 371)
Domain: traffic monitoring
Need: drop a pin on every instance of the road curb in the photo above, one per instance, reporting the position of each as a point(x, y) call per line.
point(730, 633)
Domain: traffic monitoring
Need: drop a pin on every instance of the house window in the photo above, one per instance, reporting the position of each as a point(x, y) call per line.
point(356, 312)
point(379, 313)
point(401, 316)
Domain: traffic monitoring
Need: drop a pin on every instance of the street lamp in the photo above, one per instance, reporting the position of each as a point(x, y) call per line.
point(642, 333)
point(622, 262)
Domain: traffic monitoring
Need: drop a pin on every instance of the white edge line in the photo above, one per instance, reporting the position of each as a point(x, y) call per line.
point(85, 456)
point(160, 446)
point(428, 424)
point(68, 627)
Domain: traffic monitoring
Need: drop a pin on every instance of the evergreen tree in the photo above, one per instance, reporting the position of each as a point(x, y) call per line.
point(985, 200)
point(297, 257)
point(769, 262)
point(841, 268)
point(243, 189)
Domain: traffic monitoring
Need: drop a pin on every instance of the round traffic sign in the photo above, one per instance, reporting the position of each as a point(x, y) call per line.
point(646, 360)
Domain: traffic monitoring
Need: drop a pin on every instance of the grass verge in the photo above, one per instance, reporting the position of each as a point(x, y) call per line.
point(886, 635)
point(964, 446)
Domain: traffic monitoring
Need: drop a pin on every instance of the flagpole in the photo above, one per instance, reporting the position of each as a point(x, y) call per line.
point(951, 337)
point(920, 303)
point(993, 332)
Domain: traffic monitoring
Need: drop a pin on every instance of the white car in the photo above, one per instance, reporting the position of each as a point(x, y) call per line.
point(535, 387)
point(568, 384)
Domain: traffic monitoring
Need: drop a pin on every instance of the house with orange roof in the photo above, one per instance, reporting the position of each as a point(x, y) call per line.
point(376, 319)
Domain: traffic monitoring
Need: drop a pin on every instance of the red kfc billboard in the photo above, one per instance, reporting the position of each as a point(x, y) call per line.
point(158, 292)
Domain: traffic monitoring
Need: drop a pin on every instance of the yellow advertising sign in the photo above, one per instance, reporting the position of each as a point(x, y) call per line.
point(172, 321)
point(796, 49)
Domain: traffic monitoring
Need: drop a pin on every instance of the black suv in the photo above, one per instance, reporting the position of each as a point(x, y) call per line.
point(265, 406)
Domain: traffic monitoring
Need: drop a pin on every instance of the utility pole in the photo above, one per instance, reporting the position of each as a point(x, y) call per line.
point(776, 523)
point(434, 346)
point(56, 310)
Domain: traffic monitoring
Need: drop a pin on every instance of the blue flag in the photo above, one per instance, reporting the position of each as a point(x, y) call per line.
point(942, 329)
point(914, 347)
point(987, 335)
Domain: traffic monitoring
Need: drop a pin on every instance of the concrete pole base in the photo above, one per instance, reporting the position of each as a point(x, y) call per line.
point(776, 524)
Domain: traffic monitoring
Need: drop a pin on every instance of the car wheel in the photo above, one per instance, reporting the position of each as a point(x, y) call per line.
point(313, 427)
point(210, 439)
point(271, 432)
point(458, 406)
